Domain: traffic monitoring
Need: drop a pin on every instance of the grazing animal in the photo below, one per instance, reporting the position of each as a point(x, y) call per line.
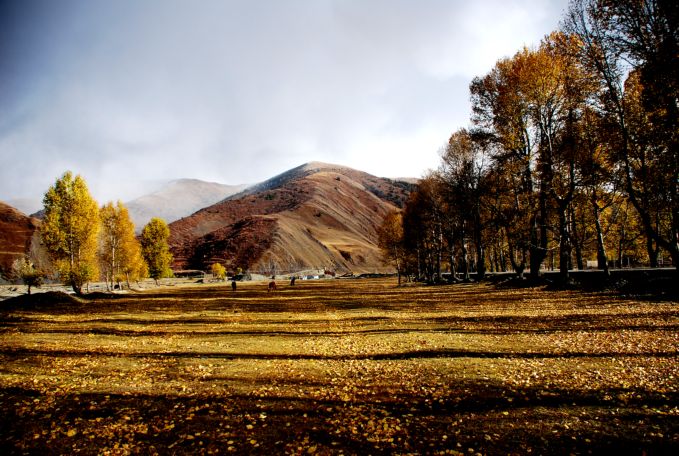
point(272, 286)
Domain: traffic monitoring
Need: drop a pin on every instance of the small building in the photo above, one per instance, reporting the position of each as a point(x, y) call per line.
point(189, 274)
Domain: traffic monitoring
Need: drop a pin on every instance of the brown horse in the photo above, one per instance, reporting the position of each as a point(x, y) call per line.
point(272, 286)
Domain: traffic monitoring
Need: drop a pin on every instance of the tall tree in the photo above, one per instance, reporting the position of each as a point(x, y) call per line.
point(503, 117)
point(390, 241)
point(423, 227)
point(70, 229)
point(155, 248)
point(120, 251)
point(598, 183)
point(463, 171)
point(620, 38)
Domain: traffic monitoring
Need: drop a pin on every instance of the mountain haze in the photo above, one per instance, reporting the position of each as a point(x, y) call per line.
point(177, 199)
point(316, 215)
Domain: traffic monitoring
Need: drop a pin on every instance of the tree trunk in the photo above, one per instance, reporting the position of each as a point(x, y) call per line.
point(601, 256)
point(419, 265)
point(537, 251)
point(465, 262)
point(480, 250)
point(398, 270)
point(564, 246)
point(453, 272)
point(519, 268)
point(652, 252)
point(575, 240)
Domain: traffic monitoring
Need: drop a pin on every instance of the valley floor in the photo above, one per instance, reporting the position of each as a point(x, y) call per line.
point(339, 367)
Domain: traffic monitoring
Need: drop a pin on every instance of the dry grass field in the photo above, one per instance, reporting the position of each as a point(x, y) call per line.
point(339, 367)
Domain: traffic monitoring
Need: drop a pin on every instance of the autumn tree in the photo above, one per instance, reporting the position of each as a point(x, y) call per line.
point(155, 248)
point(119, 250)
point(218, 271)
point(25, 271)
point(463, 171)
point(626, 39)
point(423, 227)
point(390, 241)
point(69, 230)
point(503, 119)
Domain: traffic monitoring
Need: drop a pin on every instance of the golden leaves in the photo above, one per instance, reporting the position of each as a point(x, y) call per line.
point(418, 370)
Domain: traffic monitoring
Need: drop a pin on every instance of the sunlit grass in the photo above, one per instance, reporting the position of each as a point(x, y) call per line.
point(352, 366)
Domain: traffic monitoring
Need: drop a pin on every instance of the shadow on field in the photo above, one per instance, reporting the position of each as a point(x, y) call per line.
point(415, 354)
point(358, 408)
point(217, 325)
point(488, 417)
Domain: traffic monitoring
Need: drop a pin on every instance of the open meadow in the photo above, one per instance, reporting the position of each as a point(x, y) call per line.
point(339, 367)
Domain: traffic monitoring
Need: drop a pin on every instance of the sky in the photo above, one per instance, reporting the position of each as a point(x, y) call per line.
point(132, 93)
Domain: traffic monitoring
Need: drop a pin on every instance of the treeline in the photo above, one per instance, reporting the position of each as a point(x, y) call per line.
point(80, 242)
point(571, 155)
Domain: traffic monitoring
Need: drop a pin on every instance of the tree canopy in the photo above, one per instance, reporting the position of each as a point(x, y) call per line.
point(69, 230)
point(155, 248)
point(119, 250)
point(571, 156)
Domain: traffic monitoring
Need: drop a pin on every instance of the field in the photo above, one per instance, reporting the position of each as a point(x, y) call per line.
point(339, 367)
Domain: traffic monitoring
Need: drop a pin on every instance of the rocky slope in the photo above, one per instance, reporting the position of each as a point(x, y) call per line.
point(16, 231)
point(177, 199)
point(314, 216)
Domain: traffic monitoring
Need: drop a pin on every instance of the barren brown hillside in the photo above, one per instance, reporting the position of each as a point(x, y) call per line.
point(16, 230)
point(313, 216)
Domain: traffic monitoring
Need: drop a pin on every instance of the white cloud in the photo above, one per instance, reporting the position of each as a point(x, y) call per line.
point(128, 92)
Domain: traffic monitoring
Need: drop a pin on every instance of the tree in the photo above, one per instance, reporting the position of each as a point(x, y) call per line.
point(503, 118)
point(24, 270)
point(119, 250)
point(390, 241)
point(423, 227)
point(155, 249)
point(463, 171)
point(638, 38)
point(218, 271)
point(70, 229)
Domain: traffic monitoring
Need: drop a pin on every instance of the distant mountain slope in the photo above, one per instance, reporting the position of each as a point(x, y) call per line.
point(16, 230)
point(177, 199)
point(313, 216)
point(26, 205)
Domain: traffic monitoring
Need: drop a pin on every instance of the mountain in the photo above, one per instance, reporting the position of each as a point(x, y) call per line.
point(26, 205)
point(313, 216)
point(16, 231)
point(177, 199)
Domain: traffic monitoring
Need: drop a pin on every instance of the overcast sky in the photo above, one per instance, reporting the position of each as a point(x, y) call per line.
point(131, 93)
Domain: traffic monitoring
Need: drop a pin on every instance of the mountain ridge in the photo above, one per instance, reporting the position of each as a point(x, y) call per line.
point(178, 198)
point(316, 215)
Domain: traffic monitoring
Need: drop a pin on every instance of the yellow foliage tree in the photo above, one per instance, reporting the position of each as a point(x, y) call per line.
point(155, 249)
point(119, 250)
point(24, 270)
point(70, 230)
point(218, 271)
